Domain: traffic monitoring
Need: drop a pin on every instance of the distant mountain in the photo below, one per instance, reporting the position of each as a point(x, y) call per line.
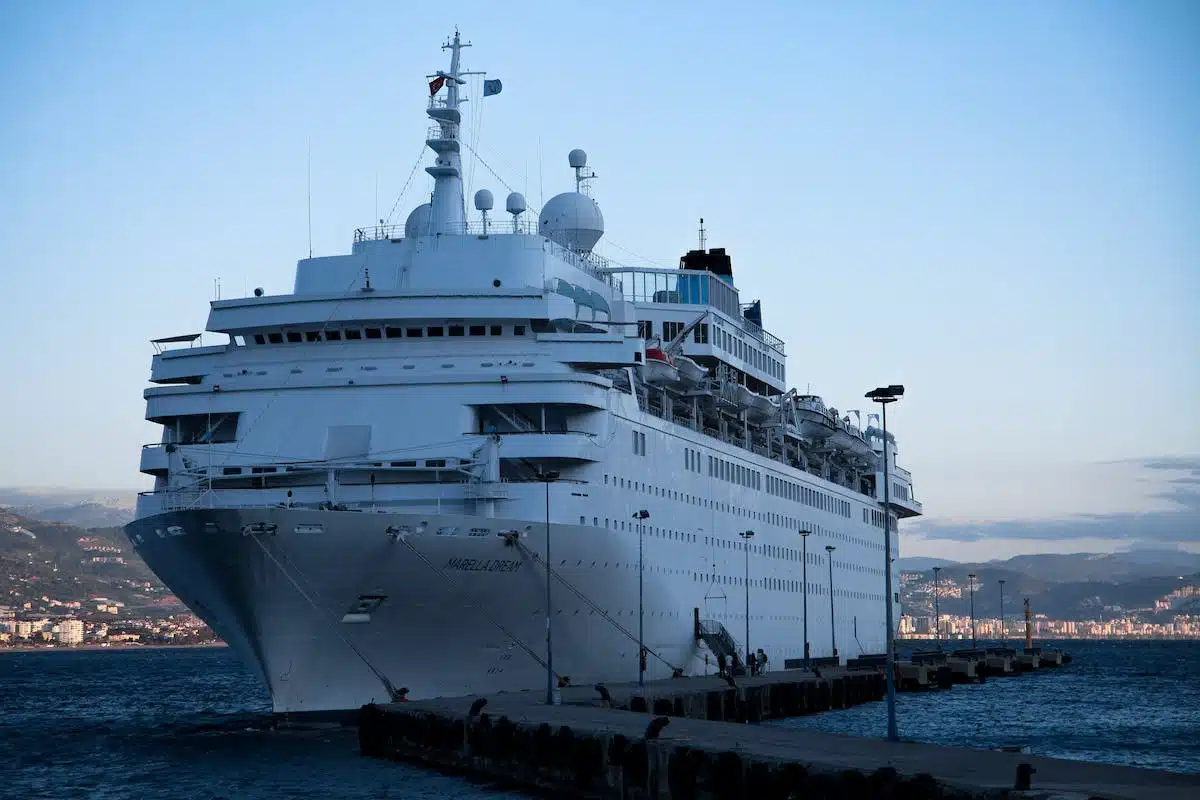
point(82, 515)
point(1072, 587)
point(65, 562)
point(921, 563)
point(85, 508)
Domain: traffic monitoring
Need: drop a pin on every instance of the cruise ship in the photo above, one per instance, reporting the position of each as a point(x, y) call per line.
point(473, 455)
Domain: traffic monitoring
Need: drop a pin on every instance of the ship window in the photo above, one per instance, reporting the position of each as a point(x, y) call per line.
point(414, 333)
point(374, 333)
point(497, 330)
point(518, 330)
point(478, 330)
point(353, 333)
point(436, 330)
point(333, 336)
point(275, 338)
point(293, 336)
point(312, 336)
point(231, 471)
point(456, 330)
point(393, 333)
point(259, 339)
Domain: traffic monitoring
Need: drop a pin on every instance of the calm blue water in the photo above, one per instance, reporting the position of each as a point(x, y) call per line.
point(188, 724)
point(1131, 703)
point(193, 724)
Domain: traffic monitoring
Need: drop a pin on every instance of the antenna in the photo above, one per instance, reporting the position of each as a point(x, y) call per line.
point(702, 233)
point(309, 192)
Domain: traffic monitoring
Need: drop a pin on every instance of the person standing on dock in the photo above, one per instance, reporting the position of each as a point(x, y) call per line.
point(751, 665)
point(761, 660)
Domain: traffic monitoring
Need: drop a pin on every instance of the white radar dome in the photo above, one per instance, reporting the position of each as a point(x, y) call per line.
point(577, 158)
point(515, 204)
point(483, 200)
point(572, 220)
point(418, 221)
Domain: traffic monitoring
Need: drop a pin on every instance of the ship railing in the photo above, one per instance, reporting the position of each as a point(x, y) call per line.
point(375, 232)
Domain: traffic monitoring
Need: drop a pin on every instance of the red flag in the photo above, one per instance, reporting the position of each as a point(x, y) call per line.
point(436, 85)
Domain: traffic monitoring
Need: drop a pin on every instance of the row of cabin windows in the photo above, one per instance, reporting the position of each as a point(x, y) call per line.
point(734, 473)
point(781, 520)
point(873, 517)
point(385, 332)
point(810, 497)
point(900, 491)
point(736, 347)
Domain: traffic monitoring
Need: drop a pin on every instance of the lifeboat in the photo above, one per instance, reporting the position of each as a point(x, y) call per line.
point(761, 408)
point(691, 374)
point(849, 438)
point(659, 369)
point(813, 419)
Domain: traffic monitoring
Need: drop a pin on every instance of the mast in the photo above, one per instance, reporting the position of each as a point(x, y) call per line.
point(448, 214)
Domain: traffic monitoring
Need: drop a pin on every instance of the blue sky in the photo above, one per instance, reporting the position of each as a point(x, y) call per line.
point(998, 206)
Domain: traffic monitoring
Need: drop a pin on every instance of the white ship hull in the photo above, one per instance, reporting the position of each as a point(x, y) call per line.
point(280, 598)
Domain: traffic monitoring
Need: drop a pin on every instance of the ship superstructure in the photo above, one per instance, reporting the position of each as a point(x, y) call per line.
point(359, 490)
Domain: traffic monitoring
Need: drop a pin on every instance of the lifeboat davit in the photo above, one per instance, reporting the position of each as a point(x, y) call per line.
point(659, 369)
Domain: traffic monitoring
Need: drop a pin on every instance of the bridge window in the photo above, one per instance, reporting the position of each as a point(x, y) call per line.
point(374, 333)
point(497, 330)
point(436, 330)
point(456, 330)
point(414, 333)
point(518, 330)
point(393, 333)
point(312, 336)
point(275, 338)
point(353, 333)
point(293, 336)
point(333, 336)
point(478, 330)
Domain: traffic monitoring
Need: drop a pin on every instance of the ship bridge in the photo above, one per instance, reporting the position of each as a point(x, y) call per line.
point(668, 300)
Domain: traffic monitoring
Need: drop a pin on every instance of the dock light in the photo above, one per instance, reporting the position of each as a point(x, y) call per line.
point(641, 516)
point(746, 537)
point(832, 627)
point(884, 395)
point(548, 477)
point(804, 577)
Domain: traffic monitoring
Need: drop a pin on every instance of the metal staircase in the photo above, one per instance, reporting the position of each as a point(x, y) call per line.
point(721, 644)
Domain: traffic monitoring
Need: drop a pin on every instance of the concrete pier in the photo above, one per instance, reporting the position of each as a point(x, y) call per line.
point(584, 749)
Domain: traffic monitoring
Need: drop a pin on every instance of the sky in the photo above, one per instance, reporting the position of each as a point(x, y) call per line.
point(996, 205)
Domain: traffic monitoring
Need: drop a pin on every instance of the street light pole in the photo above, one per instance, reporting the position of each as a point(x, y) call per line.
point(1003, 630)
point(746, 537)
point(548, 478)
point(884, 395)
point(804, 539)
point(832, 627)
point(937, 611)
point(641, 517)
point(971, 577)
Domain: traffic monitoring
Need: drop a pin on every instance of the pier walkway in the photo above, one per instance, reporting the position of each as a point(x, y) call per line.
point(585, 748)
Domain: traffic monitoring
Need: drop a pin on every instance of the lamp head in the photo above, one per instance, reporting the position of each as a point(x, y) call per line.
point(829, 548)
point(746, 534)
point(642, 514)
point(805, 533)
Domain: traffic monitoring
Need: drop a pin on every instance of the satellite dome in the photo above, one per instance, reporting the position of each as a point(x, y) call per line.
point(577, 158)
point(572, 220)
point(515, 204)
point(418, 221)
point(483, 200)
